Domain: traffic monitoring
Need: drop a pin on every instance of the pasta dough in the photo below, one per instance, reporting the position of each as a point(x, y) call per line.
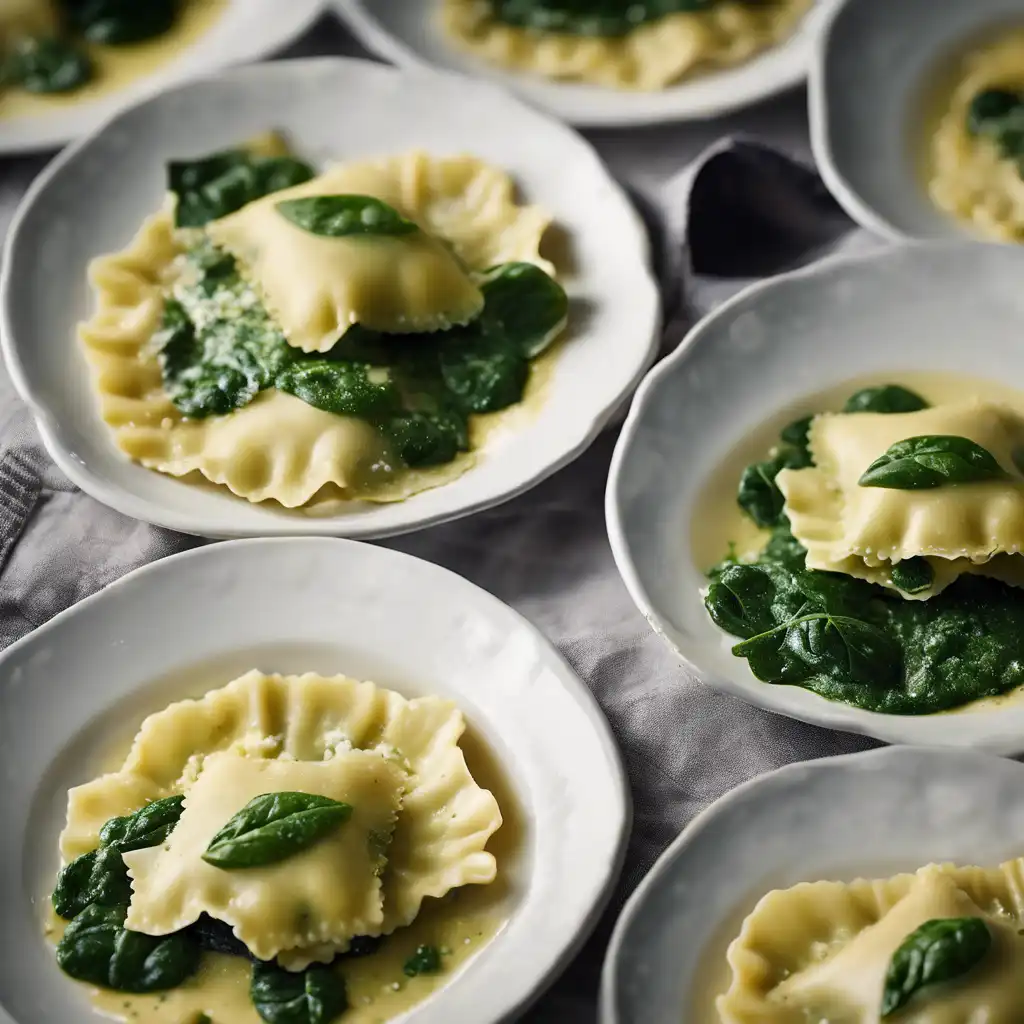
point(862, 531)
point(27, 18)
point(820, 951)
point(280, 448)
point(326, 894)
point(446, 819)
point(968, 177)
point(650, 57)
point(315, 288)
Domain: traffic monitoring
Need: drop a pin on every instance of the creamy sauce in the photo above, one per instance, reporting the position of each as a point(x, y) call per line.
point(460, 924)
point(118, 66)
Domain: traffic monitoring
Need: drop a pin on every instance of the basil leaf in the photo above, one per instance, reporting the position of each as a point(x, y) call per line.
point(100, 876)
point(216, 185)
point(314, 996)
point(273, 827)
point(912, 575)
point(117, 22)
point(523, 305)
point(98, 949)
point(148, 826)
point(601, 18)
point(426, 960)
point(940, 950)
point(47, 66)
point(921, 463)
point(342, 216)
point(888, 398)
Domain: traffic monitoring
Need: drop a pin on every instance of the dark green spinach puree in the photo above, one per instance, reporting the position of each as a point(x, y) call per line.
point(59, 63)
point(604, 18)
point(857, 642)
point(93, 893)
point(998, 114)
point(218, 347)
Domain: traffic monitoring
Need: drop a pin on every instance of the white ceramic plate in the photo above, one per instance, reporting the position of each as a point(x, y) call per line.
point(406, 33)
point(870, 71)
point(863, 815)
point(248, 30)
point(92, 199)
point(325, 606)
point(949, 306)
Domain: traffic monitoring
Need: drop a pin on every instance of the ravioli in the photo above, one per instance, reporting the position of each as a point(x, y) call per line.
point(317, 287)
point(863, 531)
point(326, 894)
point(821, 950)
point(20, 18)
point(650, 57)
point(279, 447)
point(968, 177)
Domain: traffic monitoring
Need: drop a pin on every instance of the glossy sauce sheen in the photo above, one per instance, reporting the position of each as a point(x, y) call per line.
point(462, 923)
point(118, 66)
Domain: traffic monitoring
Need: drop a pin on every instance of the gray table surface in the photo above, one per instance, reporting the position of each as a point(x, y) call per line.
point(579, 602)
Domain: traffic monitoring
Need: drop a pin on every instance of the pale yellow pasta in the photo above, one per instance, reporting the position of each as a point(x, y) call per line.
point(27, 18)
point(820, 950)
point(446, 819)
point(968, 177)
point(322, 896)
point(863, 531)
point(278, 447)
point(652, 56)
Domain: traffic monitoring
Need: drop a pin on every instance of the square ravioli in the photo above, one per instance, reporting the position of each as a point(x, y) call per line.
point(326, 894)
point(862, 531)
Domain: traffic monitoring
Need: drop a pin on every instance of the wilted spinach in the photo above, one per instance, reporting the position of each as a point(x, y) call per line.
point(97, 948)
point(913, 575)
point(148, 826)
point(887, 398)
point(214, 186)
point(274, 827)
point(314, 996)
point(940, 950)
point(118, 22)
point(46, 65)
point(426, 960)
point(99, 876)
point(998, 114)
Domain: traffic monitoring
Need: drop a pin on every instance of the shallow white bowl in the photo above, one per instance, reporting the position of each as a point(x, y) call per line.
point(948, 306)
point(406, 33)
point(873, 61)
point(92, 199)
point(863, 815)
point(248, 30)
point(325, 606)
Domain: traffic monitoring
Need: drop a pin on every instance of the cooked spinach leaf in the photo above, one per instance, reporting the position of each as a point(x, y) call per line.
point(998, 114)
point(524, 306)
point(117, 22)
point(98, 949)
point(148, 826)
point(426, 960)
point(346, 389)
point(314, 996)
point(274, 827)
point(886, 398)
point(759, 495)
point(797, 435)
point(217, 937)
point(940, 950)
point(342, 216)
point(603, 18)
point(485, 372)
point(934, 460)
point(913, 575)
point(99, 877)
point(214, 186)
point(47, 66)
point(747, 600)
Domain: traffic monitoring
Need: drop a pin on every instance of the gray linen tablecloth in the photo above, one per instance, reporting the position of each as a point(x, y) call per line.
point(731, 211)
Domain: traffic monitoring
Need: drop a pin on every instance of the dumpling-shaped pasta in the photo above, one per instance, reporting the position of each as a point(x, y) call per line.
point(328, 893)
point(821, 950)
point(651, 56)
point(446, 820)
point(862, 531)
point(316, 287)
